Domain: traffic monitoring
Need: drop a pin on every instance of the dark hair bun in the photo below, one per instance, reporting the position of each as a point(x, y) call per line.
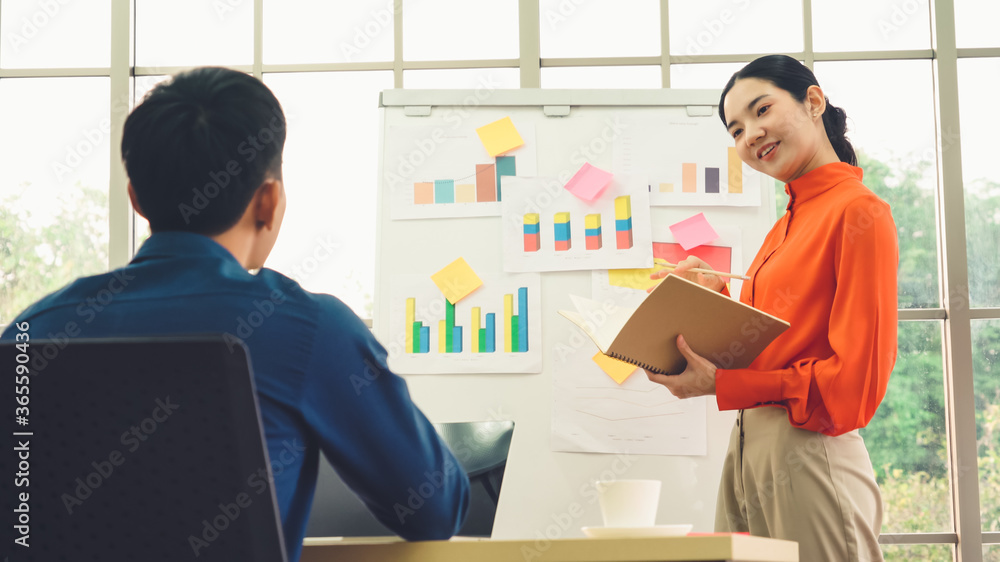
point(835, 123)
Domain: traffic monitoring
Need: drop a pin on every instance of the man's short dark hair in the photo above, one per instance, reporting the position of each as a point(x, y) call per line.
point(198, 147)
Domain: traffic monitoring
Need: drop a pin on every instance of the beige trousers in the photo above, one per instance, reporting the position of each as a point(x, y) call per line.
point(787, 483)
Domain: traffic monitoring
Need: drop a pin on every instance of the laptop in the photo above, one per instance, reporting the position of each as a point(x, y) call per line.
point(481, 447)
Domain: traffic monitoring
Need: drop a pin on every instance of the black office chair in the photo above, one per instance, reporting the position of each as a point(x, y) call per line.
point(138, 449)
point(481, 448)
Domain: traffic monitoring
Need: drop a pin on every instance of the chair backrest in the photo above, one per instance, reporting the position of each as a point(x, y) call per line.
point(140, 449)
point(481, 447)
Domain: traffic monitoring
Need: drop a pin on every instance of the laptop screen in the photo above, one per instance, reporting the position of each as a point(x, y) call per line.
point(481, 448)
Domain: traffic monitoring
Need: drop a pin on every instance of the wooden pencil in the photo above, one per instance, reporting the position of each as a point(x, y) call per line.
point(669, 265)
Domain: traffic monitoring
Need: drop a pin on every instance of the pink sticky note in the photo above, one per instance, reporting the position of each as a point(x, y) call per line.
point(694, 231)
point(588, 182)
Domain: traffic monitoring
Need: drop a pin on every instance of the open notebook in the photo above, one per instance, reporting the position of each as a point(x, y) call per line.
point(723, 330)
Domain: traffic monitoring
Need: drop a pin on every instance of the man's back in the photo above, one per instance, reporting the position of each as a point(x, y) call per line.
point(321, 377)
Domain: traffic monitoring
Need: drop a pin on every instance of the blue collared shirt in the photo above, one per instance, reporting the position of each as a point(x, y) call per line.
point(321, 377)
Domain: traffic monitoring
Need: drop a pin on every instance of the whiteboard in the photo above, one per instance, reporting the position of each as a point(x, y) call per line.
point(546, 494)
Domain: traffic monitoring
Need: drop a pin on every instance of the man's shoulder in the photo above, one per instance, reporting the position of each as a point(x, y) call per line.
point(86, 297)
point(279, 283)
point(290, 291)
point(68, 295)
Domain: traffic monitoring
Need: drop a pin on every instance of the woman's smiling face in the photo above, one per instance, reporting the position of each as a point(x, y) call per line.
point(774, 133)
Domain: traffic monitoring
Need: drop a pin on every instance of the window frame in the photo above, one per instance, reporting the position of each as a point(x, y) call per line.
point(955, 311)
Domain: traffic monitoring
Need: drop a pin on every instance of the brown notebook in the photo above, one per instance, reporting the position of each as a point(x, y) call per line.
point(725, 331)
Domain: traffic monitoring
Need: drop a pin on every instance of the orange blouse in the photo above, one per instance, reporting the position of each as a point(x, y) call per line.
point(828, 267)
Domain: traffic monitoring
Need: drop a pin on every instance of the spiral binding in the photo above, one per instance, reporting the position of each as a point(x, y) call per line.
point(638, 363)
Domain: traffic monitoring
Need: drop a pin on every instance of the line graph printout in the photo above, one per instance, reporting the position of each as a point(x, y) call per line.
point(689, 161)
point(591, 413)
point(442, 171)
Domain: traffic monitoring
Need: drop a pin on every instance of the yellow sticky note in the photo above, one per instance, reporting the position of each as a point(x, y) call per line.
point(457, 280)
point(634, 278)
point(499, 136)
point(617, 370)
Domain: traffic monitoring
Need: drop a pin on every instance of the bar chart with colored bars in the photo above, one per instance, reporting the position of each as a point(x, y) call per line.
point(593, 231)
point(689, 177)
point(487, 189)
point(563, 238)
point(482, 335)
point(623, 222)
point(532, 233)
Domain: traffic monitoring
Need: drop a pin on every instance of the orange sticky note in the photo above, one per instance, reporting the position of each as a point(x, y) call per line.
point(617, 370)
point(456, 280)
point(499, 136)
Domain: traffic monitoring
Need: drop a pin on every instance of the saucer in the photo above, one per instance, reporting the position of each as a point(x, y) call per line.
point(637, 532)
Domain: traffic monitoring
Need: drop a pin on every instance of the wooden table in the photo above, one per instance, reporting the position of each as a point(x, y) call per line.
point(734, 548)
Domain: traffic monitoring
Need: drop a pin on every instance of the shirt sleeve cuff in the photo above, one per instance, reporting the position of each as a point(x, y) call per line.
point(745, 388)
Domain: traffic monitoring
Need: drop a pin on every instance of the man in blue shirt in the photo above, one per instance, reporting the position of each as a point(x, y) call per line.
point(203, 156)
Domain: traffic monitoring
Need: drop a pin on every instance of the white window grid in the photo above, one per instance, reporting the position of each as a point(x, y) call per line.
point(955, 313)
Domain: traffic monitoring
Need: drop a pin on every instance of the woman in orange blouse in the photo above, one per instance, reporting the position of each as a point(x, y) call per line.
point(796, 467)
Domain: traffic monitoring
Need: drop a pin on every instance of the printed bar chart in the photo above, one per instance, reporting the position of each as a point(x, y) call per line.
point(421, 338)
point(711, 180)
point(412, 333)
point(735, 171)
point(508, 315)
point(444, 191)
point(416, 154)
point(477, 343)
point(417, 335)
point(486, 183)
point(488, 177)
point(575, 233)
point(593, 231)
point(423, 193)
point(689, 173)
point(490, 333)
point(449, 318)
point(506, 166)
point(623, 222)
point(532, 233)
point(687, 162)
point(521, 328)
point(563, 237)
point(465, 193)
point(689, 177)
point(482, 336)
point(449, 335)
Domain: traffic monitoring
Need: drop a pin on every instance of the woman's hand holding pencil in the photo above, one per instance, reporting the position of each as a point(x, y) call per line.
point(694, 269)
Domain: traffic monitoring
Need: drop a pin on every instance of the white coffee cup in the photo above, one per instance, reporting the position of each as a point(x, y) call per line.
point(628, 503)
